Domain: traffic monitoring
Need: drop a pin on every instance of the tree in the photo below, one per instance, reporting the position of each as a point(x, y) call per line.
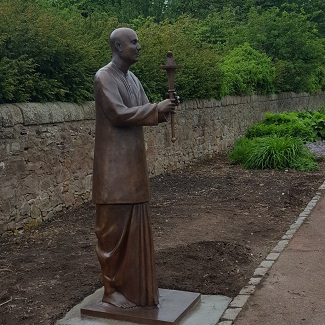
point(293, 43)
point(314, 9)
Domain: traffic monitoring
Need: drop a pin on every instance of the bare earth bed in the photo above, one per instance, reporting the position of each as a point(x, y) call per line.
point(213, 224)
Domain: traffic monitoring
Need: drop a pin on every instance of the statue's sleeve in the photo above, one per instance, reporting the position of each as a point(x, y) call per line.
point(111, 99)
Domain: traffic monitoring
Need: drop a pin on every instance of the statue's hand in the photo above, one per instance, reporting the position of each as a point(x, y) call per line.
point(166, 106)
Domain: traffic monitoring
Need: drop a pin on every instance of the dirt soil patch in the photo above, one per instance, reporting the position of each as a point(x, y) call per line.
point(213, 224)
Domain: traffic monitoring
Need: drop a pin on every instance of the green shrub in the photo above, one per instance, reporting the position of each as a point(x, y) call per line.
point(240, 151)
point(43, 57)
point(305, 163)
point(308, 126)
point(247, 71)
point(317, 124)
point(273, 153)
point(297, 129)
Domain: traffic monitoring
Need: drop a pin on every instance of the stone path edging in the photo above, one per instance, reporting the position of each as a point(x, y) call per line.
point(237, 304)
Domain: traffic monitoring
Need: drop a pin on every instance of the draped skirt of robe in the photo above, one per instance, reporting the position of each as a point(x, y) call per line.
point(125, 251)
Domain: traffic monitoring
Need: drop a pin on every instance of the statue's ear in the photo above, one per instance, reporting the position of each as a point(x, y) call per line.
point(118, 46)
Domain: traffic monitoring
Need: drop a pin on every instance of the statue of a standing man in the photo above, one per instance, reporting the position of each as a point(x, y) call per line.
point(120, 179)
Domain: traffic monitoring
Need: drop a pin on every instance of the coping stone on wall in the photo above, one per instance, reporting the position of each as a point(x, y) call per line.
point(227, 100)
point(193, 104)
point(89, 110)
point(41, 113)
point(210, 103)
point(10, 115)
point(273, 97)
point(200, 103)
point(70, 111)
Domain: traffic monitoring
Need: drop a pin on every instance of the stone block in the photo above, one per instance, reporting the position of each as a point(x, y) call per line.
point(266, 264)
point(31, 184)
point(280, 246)
point(35, 211)
point(239, 301)
point(247, 290)
point(260, 271)
point(254, 281)
point(10, 115)
point(89, 111)
point(25, 209)
point(231, 313)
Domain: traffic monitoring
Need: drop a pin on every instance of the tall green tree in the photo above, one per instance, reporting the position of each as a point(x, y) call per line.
point(314, 9)
point(293, 42)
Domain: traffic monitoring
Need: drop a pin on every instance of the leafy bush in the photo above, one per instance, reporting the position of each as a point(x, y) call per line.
point(308, 126)
point(273, 153)
point(317, 124)
point(247, 71)
point(294, 129)
point(42, 56)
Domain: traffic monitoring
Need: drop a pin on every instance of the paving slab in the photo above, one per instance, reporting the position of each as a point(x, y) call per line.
point(207, 312)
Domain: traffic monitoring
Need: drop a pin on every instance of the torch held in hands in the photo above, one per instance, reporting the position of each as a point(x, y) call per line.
point(170, 66)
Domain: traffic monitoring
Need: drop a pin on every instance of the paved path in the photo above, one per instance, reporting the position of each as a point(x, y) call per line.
point(293, 290)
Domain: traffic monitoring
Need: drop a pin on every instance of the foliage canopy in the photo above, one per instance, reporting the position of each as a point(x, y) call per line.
point(50, 49)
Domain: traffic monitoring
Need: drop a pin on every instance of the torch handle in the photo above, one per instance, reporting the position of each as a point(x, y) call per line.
point(171, 93)
point(170, 66)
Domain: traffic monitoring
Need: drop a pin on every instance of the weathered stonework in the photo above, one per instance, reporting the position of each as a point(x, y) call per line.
point(46, 150)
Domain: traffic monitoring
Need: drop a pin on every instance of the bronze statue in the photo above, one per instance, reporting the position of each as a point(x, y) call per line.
point(120, 178)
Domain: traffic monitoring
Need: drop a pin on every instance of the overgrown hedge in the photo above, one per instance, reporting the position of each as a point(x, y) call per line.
point(51, 54)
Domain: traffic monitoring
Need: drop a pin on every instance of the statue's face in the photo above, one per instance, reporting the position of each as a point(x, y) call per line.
point(130, 47)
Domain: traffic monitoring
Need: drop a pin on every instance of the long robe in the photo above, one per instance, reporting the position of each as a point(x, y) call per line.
point(120, 167)
point(121, 186)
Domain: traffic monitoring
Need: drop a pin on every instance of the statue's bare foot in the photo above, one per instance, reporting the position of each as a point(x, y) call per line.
point(118, 300)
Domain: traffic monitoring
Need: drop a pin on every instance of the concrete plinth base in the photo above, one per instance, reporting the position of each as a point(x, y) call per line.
point(173, 306)
point(207, 312)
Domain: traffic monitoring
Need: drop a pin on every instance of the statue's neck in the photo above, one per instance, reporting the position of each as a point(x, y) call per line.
point(120, 64)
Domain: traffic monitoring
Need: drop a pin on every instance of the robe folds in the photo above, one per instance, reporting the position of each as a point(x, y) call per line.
point(121, 186)
point(125, 251)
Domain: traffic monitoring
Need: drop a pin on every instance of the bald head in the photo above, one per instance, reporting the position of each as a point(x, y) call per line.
point(120, 36)
point(125, 47)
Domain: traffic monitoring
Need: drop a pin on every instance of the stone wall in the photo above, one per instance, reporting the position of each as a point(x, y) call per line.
point(46, 149)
